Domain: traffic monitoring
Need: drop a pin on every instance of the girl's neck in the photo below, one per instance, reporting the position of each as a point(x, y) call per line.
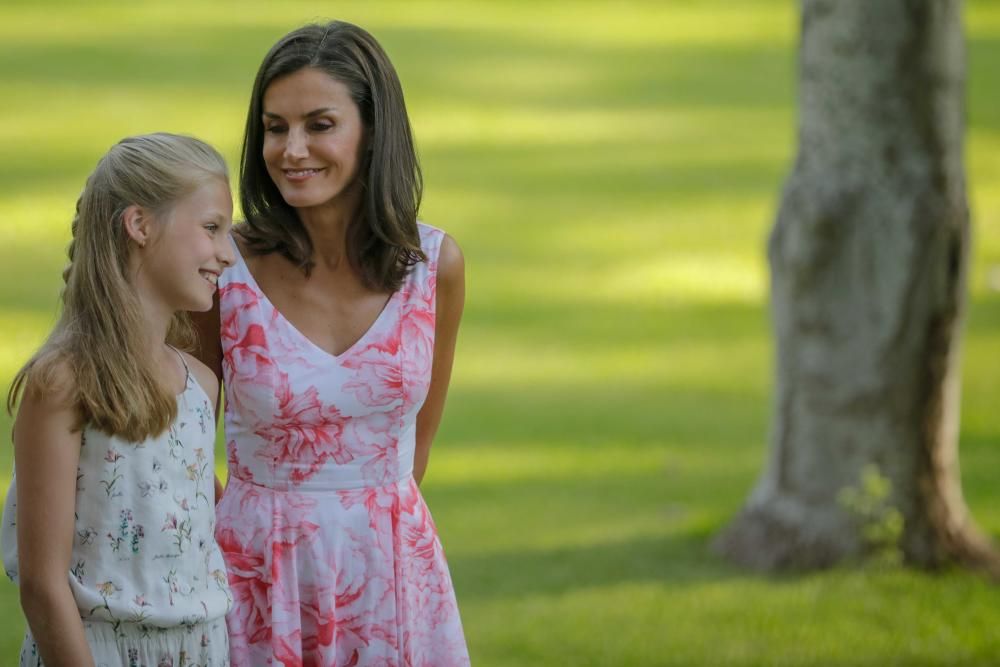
point(157, 318)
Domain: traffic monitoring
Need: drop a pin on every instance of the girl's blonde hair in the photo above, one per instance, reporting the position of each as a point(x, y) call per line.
point(99, 336)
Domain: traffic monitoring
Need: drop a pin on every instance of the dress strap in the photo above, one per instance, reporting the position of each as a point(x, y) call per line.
point(187, 371)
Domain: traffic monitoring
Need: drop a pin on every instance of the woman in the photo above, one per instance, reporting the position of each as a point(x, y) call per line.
point(337, 326)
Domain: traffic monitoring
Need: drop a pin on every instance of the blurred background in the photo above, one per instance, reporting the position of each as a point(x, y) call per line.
point(611, 170)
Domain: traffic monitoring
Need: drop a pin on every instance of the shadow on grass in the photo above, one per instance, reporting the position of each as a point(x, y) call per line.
point(727, 419)
point(667, 560)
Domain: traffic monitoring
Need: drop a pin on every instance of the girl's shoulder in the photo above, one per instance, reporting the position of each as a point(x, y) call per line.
point(49, 405)
point(203, 375)
point(50, 380)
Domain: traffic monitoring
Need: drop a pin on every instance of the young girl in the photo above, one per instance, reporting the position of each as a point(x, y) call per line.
point(108, 525)
point(335, 333)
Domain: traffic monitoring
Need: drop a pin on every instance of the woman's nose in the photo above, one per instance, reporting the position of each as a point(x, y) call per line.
point(295, 146)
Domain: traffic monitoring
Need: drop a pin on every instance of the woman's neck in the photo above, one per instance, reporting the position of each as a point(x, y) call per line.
point(327, 229)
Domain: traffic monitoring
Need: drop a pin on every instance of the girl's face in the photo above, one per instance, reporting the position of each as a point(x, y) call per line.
point(313, 138)
point(190, 247)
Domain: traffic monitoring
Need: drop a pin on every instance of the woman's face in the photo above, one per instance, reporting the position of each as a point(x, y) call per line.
point(313, 138)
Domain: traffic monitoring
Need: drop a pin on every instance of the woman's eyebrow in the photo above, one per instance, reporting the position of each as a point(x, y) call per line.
point(310, 114)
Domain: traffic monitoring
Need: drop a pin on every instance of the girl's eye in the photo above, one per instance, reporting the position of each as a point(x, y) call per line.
point(212, 227)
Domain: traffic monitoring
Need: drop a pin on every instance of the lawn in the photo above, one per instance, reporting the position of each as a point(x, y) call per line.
point(611, 171)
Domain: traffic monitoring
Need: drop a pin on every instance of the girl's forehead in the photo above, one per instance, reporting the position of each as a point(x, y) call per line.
point(211, 197)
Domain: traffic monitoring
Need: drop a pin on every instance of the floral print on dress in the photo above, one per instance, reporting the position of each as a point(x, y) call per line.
point(332, 555)
point(144, 559)
point(141, 645)
point(112, 477)
point(302, 430)
point(129, 534)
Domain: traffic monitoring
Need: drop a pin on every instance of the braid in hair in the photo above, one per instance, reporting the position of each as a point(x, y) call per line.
point(71, 249)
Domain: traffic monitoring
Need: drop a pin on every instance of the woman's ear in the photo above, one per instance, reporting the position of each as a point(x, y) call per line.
point(137, 224)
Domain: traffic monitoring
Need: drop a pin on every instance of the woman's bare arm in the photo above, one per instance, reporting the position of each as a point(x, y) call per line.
point(450, 303)
point(208, 350)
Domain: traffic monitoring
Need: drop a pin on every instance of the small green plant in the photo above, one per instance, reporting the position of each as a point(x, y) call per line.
point(881, 524)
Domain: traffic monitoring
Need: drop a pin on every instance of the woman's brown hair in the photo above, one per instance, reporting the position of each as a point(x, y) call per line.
point(382, 240)
point(99, 341)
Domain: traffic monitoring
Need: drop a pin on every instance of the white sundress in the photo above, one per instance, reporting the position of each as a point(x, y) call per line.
point(147, 574)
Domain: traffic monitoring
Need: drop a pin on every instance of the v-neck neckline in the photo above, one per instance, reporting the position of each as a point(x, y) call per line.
point(295, 330)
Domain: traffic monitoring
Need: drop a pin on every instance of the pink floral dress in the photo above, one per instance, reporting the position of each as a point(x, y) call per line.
point(333, 556)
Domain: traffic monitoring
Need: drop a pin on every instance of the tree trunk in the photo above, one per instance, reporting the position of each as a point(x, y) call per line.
point(868, 261)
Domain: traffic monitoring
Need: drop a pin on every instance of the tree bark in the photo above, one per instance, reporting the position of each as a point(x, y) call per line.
point(868, 260)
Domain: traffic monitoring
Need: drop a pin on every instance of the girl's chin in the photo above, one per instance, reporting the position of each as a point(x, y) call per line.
point(197, 303)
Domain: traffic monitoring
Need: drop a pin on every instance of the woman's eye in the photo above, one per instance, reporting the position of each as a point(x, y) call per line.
point(274, 129)
point(322, 127)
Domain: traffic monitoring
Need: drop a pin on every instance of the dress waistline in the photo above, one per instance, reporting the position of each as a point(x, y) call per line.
point(321, 486)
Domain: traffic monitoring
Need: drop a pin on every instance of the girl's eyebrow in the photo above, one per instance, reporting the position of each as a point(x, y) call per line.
point(314, 112)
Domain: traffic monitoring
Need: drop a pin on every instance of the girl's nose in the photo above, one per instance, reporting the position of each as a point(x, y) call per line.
point(226, 254)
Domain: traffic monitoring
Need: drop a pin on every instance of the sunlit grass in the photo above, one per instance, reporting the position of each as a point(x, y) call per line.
point(695, 278)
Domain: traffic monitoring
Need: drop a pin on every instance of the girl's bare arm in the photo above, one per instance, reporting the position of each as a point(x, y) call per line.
point(46, 456)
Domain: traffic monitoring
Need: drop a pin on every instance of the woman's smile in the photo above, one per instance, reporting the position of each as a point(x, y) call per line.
point(300, 175)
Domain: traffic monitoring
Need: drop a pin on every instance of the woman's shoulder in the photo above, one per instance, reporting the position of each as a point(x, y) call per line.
point(451, 261)
point(428, 229)
point(441, 249)
point(433, 241)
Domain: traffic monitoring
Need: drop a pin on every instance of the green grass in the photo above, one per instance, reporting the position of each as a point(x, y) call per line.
point(611, 171)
